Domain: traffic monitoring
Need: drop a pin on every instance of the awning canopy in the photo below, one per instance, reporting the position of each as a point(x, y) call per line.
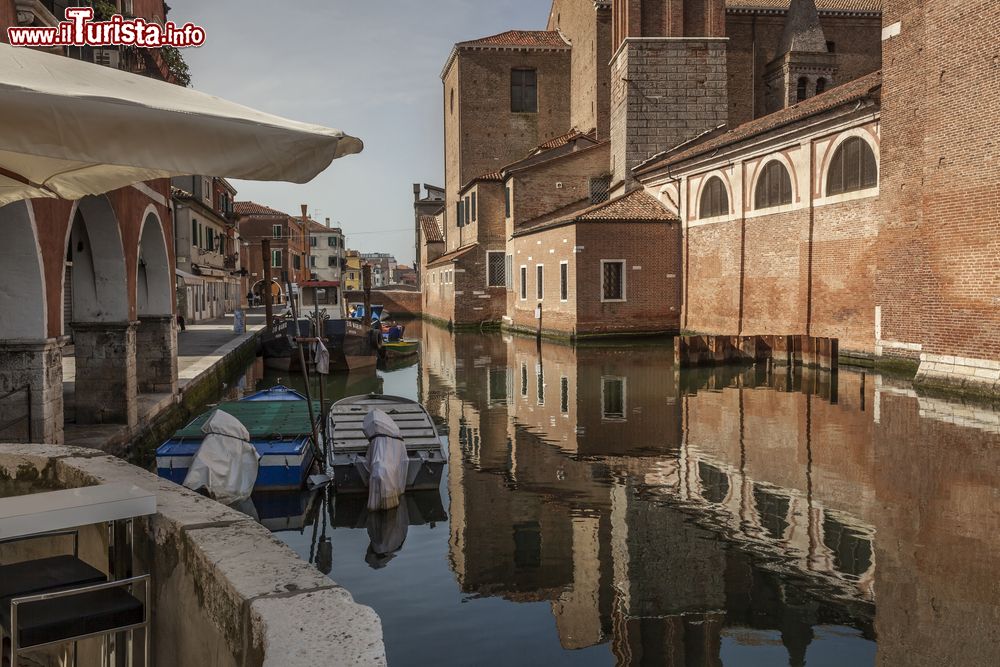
point(189, 278)
point(69, 128)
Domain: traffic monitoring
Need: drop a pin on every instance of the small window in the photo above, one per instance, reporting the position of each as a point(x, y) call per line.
point(313, 241)
point(802, 89)
point(774, 188)
point(275, 258)
point(714, 199)
point(600, 189)
point(495, 265)
point(539, 281)
point(468, 210)
point(524, 283)
point(613, 399)
point(612, 280)
point(276, 231)
point(194, 232)
point(508, 272)
point(563, 281)
point(523, 91)
point(451, 102)
point(473, 206)
point(852, 168)
point(331, 261)
point(297, 261)
point(820, 85)
point(506, 202)
point(831, 47)
point(331, 241)
point(312, 261)
point(460, 213)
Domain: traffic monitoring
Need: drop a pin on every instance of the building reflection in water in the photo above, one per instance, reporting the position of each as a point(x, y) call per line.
point(682, 517)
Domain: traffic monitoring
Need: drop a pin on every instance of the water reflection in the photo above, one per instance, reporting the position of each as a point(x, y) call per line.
point(601, 507)
point(714, 516)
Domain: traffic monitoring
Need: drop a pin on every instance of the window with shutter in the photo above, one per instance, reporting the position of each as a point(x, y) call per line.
point(612, 280)
point(539, 282)
point(460, 213)
point(714, 199)
point(774, 188)
point(473, 206)
point(524, 283)
point(523, 91)
point(852, 168)
point(563, 281)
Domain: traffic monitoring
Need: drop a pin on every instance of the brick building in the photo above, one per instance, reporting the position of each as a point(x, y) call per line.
point(289, 248)
point(209, 280)
point(814, 192)
point(91, 278)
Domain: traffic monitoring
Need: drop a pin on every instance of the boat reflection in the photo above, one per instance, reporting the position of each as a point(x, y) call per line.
point(684, 518)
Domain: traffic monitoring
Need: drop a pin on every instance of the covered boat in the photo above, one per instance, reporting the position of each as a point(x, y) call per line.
point(425, 454)
point(280, 431)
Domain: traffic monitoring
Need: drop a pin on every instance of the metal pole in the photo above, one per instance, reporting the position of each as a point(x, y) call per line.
point(321, 380)
point(305, 371)
point(265, 249)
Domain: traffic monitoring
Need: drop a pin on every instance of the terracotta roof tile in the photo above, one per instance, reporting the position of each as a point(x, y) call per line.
point(564, 139)
point(852, 91)
point(873, 6)
point(320, 228)
point(635, 206)
point(250, 208)
point(453, 255)
point(524, 38)
point(432, 232)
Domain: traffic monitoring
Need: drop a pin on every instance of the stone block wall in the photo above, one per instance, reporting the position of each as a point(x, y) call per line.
point(664, 91)
point(36, 367)
point(156, 354)
point(106, 384)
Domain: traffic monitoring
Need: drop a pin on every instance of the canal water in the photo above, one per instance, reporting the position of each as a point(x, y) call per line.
point(601, 507)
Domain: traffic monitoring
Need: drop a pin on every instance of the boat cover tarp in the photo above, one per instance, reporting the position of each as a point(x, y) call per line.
point(387, 532)
point(322, 357)
point(387, 461)
point(226, 463)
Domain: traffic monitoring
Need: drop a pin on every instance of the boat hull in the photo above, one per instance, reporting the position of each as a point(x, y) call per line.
point(423, 472)
point(351, 345)
point(282, 472)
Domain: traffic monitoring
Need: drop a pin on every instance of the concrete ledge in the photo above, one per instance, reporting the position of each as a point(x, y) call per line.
point(226, 592)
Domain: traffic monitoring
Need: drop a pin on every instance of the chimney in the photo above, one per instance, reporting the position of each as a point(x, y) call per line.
point(328, 222)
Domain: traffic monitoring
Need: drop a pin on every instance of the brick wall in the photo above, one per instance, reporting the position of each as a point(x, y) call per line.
point(398, 303)
point(588, 28)
point(939, 272)
point(652, 278)
point(482, 135)
point(754, 41)
point(552, 185)
point(663, 92)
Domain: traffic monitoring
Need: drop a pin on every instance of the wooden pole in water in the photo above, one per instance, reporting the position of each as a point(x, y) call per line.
point(321, 379)
point(366, 287)
point(265, 249)
point(305, 371)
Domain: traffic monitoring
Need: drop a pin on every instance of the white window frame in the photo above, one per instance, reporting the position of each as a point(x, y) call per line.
point(523, 275)
point(488, 264)
point(600, 282)
point(276, 255)
point(565, 263)
point(540, 283)
point(276, 231)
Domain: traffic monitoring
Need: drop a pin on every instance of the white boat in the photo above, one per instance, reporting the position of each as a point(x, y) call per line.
point(348, 459)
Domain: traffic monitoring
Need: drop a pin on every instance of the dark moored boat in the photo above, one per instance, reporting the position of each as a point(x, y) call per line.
point(350, 343)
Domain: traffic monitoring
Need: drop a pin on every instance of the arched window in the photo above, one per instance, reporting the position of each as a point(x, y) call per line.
point(853, 168)
point(800, 93)
point(714, 199)
point(774, 187)
point(820, 85)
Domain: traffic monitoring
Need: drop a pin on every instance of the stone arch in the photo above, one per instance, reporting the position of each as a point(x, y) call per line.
point(153, 286)
point(22, 283)
point(98, 273)
point(863, 133)
point(715, 175)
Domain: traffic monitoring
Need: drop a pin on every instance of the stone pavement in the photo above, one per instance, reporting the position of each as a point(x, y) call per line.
point(199, 347)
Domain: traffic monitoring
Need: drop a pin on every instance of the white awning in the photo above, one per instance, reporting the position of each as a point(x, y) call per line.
point(189, 278)
point(70, 128)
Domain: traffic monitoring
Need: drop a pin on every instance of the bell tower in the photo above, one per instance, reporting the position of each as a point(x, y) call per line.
point(668, 78)
point(804, 67)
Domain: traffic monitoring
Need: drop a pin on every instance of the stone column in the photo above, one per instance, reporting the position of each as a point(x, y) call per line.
point(106, 389)
point(156, 354)
point(31, 391)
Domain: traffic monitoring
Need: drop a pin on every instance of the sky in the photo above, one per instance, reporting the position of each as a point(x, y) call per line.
point(368, 67)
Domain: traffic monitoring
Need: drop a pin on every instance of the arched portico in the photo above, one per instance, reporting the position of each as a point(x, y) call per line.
point(156, 336)
point(103, 334)
point(31, 401)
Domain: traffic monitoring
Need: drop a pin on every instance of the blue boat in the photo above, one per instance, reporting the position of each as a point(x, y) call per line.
point(280, 430)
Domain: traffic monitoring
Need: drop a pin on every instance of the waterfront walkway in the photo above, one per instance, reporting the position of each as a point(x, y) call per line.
point(199, 348)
